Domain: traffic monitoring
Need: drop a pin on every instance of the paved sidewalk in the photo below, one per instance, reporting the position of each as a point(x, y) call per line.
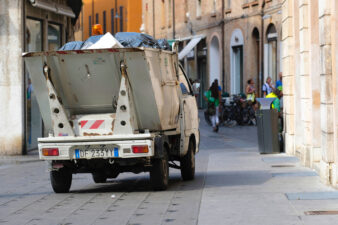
point(234, 184)
point(32, 156)
point(245, 187)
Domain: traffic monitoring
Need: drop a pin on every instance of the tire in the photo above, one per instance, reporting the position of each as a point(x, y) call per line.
point(99, 178)
point(159, 173)
point(61, 180)
point(188, 163)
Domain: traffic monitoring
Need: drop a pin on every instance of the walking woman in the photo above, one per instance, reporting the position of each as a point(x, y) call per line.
point(214, 98)
point(250, 91)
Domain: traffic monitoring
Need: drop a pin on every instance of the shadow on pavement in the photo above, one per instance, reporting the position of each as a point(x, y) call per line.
point(142, 184)
point(237, 178)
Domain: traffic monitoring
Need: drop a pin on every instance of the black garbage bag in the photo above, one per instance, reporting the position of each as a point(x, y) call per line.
point(134, 40)
point(73, 45)
point(164, 44)
point(127, 39)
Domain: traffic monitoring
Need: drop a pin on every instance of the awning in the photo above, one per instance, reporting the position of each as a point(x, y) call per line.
point(192, 43)
point(53, 7)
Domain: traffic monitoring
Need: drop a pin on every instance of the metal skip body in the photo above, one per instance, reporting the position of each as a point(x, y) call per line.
point(89, 81)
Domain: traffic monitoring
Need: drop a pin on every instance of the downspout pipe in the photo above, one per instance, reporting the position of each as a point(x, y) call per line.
point(223, 69)
point(174, 19)
point(154, 18)
point(93, 20)
point(261, 81)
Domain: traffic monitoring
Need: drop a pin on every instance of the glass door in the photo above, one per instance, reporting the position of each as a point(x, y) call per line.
point(33, 118)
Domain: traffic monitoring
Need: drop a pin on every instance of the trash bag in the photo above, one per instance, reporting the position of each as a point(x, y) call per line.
point(73, 45)
point(90, 41)
point(164, 44)
point(106, 41)
point(126, 39)
point(135, 40)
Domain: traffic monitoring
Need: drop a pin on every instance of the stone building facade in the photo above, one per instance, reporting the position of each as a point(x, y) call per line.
point(239, 39)
point(27, 25)
point(114, 16)
point(310, 65)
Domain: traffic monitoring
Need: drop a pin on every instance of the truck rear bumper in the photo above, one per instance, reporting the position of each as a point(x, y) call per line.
point(104, 149)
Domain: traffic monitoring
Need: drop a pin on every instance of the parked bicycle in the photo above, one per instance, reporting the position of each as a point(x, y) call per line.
point(237, 109)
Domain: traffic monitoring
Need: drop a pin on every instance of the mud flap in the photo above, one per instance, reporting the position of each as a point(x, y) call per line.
point(159, 147)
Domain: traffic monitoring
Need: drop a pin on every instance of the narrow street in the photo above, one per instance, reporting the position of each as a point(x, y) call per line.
point(234, 184)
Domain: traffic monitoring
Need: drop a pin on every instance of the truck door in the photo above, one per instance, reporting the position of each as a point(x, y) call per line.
point(189, 105)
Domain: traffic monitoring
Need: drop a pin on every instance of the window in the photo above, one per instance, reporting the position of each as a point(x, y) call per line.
point(97, 18)
point(33, 35)
point(229, 4)
point(184, 89)
point(214, 6)
point(54, 37)
point(198, 8)
point(184, 84)
point(104, 22)
point(90, 26)
point(272, 52)
point(121, 18)
point(112, 20)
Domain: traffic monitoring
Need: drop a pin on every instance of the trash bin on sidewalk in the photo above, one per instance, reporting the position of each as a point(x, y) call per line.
point(267, 127)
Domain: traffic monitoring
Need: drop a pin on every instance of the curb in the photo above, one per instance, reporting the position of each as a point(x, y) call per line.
point(9, 161)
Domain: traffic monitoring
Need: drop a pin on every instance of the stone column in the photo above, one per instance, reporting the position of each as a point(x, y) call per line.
point(305, 80)
point(334, 27)
point(326, 80)
point(11, 78)
point(288, 75)
point(315, 84)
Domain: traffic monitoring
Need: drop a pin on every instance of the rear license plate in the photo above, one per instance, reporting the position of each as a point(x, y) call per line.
point(97, 153)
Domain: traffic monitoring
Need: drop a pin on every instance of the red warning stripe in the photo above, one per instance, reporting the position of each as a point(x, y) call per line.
point(96, 124)
point(83, 123)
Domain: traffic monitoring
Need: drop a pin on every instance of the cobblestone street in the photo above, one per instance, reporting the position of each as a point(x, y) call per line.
point(233, 185)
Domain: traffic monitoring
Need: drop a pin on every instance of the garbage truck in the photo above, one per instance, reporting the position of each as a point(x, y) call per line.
point(114, 110)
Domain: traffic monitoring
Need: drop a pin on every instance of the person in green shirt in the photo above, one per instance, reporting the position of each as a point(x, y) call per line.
point(213, 96)
point(276, 93)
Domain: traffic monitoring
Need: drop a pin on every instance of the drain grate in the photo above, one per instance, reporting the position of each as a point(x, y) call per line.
point(283, 166)
point(310, 213)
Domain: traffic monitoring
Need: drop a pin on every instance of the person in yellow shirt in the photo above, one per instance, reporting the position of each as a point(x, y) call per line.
point(277, 95)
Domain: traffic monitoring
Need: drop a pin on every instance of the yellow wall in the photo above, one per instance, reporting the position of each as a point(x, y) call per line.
point(132, 15)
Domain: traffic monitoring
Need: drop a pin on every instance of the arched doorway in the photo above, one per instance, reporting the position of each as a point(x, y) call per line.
point(214, 61)
point(236, 59)
point(271, 53)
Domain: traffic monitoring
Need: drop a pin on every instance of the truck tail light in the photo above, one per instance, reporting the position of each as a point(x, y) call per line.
point(140, 149)
point(50, 151)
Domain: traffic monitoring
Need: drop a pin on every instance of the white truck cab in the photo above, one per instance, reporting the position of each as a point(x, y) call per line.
point(109, 111)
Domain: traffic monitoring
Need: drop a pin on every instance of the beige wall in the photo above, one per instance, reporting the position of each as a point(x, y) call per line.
point(309, 39)
point(241, 16)
point(11, 80)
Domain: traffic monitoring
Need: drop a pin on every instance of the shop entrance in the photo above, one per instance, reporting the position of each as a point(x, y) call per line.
point(34, 43)
point(34, 125)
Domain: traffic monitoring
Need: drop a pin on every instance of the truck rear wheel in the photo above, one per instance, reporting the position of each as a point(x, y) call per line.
point(159, 173)
point(61, 180)
point(188, 163)
point(99, 178)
